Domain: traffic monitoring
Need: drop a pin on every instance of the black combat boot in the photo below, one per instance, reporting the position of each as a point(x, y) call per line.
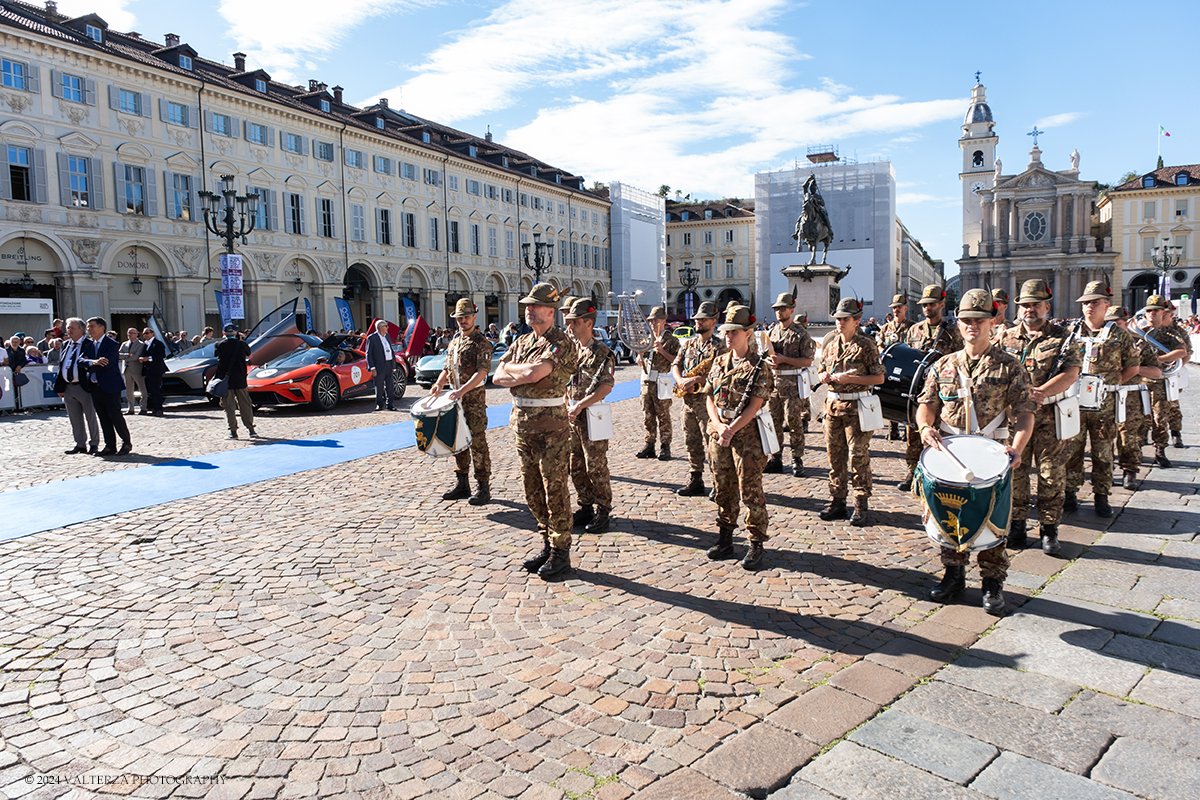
point(645, 452)
point(835, 510)
point(694, 487)
point(797, 469)
point(723, 549)
point(993, 598)
point(583, 516)
point(1070, 501)
point(860, 518)
point(754, 557)
point(461, 489)
point(482, 496)
point(1017, 540)
point(1103, 509)
point(953, 584)
point(775, 465)
point(894, 432)
point(1160, 458)
point(534, 563)
point(1050, 545)
point(558, 565)
point(599, 523)
point(664, 453)
point(906, 484)
point(1176, 439)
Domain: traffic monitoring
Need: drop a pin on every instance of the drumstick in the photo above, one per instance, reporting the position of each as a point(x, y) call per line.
point(970, 476)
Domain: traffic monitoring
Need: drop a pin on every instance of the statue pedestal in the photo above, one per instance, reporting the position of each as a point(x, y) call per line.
point(816, 289)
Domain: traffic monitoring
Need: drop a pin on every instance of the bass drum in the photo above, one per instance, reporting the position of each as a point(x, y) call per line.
point(904, 371)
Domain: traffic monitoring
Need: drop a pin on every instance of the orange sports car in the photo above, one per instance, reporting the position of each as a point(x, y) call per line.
point(321, 375)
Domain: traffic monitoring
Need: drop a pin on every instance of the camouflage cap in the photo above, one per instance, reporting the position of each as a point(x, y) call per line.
point(785, 300)
point(566, 302)
point(1156, 302)
point(898, 300)
point(737, 318)
point(707, 310)
point(731, 304)
point(1000, 296)
point(543, 294)
point(977, 304)
point(932, 294)
point(1096, 290)
point(849, 307)
point(464, 308)
point(1117, 314)
point(581, 308)
point(1034, 291)
point(801, 318)
point(658, 312)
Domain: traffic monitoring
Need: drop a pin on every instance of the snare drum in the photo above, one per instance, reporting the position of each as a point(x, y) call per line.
point(441, 426)
point(964, 515)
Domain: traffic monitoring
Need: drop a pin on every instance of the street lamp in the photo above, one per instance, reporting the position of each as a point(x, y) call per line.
point(26, 279)
point(543, 257)
point(689, 276)
point(222, 209)
point(1165, 258)
point(136, 282)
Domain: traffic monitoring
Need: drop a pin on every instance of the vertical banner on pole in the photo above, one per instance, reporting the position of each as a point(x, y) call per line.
point(225, 320)
point(344, 312)
point(410, 314)
point(231, 285)
point(308, 326)
point(688, 300)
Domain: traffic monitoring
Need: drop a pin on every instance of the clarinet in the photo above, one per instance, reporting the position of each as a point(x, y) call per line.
point(749, 387)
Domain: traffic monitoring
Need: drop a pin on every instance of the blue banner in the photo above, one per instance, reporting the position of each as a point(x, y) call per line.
point(410, 314)
point(308, 326)
point(344, 312)
point(225, 319)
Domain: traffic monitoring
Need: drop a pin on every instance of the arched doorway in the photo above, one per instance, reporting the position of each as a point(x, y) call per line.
point(133, 288)
point(356, 291)
point(728, 296)
point(1140, 288)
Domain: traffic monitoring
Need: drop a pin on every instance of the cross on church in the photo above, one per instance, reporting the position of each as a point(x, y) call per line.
point(1035, 133)
point(977, 74)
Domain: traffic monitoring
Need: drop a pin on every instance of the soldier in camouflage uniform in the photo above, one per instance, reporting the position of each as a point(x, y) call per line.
point(1161, 408)
point(794, 351)
point(800, 320)
point(998, 392)
point(565, 308)
point(1107, 352)
point(1132, 429)
point(694, 352)
point(895, 330)
point(1001, 323)
point(590, 384)
point(849, 366)
point(657, 413)
point(1052, 366)
point(932, 333)
point(468, 359)
point(739, 383)
point(1176, 419)
point(536, 369)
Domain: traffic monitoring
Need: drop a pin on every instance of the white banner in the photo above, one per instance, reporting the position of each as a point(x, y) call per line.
point(231, 286)
point(1195, 337)
point(8, 397)
point(39, 392)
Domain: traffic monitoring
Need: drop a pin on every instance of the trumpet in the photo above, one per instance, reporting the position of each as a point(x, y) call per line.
point(700, 369)
point(1135, 327)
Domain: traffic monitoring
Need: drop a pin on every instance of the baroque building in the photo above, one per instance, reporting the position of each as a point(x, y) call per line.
point(108, 137)
point(716, 240)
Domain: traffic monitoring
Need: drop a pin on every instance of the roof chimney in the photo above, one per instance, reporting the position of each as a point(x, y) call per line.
point(313, 85)
point(239, 62)
point(337, 94)
point(51, 8)
point(488, 136)
point(383, 102)
point(172, 40)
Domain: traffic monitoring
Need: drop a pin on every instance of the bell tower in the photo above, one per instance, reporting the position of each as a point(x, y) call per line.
point(978, 145)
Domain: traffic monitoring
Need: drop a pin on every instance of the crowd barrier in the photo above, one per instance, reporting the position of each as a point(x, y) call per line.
point(39, 392)
point(8, 397)
point(1195, 337)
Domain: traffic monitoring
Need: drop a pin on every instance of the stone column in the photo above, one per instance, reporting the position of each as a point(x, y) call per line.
point(1014, 226)
point(1060, 237)
point(1012, 291)
point(986, 231)
point(435, 308)
point(1081, 222)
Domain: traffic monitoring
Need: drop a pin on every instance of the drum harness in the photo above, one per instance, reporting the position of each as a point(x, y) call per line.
point(792, 372)
point(846, 396)
point(1090, 343)
point(992, 430)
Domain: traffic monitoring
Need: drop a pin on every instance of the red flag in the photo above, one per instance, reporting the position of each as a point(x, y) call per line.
point(416, 344)
point(392, 328)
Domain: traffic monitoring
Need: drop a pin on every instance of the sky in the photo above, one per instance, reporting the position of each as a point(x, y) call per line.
point(700, 95)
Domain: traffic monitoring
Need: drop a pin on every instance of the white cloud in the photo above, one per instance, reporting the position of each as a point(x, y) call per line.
point(916, 198)
point(114, 12)
point(285, 36)
point(1058, 120)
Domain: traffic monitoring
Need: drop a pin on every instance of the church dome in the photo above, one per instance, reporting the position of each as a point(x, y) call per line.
point(978, 111)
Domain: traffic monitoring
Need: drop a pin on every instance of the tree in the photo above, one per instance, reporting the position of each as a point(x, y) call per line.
point(1128, 176)
point(664, 190)
point(1160, 164)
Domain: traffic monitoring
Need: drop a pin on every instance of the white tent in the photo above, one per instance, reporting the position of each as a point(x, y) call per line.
point(30, 316)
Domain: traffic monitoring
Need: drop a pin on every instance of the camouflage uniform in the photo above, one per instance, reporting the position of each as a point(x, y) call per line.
point(657, 413)
point(695, 405)
point(542, 432)
point(846, 442)
point(892, 332)
point(999, 386)
point(467, 355)
point(1038, 352)
point(790, 342)
point(1137, 423)
point(589, 459)
point(1176, 418)
point(924, 336)
point(739, 466)
point(1108, 360)
point(1167, 415)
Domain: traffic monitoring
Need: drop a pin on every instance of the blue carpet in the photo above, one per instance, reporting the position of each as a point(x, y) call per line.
point(70, 502)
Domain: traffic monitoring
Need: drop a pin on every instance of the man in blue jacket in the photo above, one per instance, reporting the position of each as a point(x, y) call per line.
point(102, 358)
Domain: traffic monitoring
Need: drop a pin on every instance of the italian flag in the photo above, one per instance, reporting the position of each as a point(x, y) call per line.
point(1163, 131)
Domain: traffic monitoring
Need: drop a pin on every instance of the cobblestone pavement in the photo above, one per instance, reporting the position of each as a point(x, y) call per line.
point(344, 632)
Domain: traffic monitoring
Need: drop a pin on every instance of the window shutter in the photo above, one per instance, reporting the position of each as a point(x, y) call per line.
point(64, 180)
point(317, 219)
point(114, 97)
point(146, 105)
point(192, 210)
point(270, 136)
point(234, 123)
point(5, 181)
point(119, 186)
point(56, 83)
point(334, 217)
point(208, 121)
point(193, 116)
point(378, 227)
point(32, 80)
point(246, 129)
point(303, 144)
point(151, 192)
point(303, 218)
point(272, 205)
point(40, 194)
point(95, 184)
point(163, 109)
point(89, 92)
point(169, 187)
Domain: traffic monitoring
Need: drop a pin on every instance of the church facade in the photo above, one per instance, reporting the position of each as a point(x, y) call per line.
point(1035, 223)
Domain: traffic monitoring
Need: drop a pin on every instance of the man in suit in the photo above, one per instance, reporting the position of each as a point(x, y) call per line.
point(102, 357)
point(232, 360)
point(154, 366)
point(72, 386)
point(381, 362)
point(132, 350)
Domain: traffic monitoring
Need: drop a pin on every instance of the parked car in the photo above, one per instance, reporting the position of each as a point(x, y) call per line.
point(324, 375)
point(616, 345)
point(429, 367)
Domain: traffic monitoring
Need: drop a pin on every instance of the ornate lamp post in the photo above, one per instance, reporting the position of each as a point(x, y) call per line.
point(26, 281)
point(136, 282)
point(1165, 258)
point(543, 257)
point(224, 209)
point(689, 276)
